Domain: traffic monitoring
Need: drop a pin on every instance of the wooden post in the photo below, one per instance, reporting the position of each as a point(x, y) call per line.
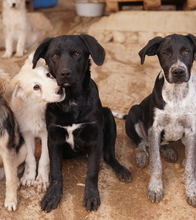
point(191, 4)
point(29, 5)
point(112, 6)
point(152, 4)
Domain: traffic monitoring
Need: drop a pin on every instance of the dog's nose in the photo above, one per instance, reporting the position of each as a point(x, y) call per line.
point(13, 5)
point(178, 72)
point(66, 73)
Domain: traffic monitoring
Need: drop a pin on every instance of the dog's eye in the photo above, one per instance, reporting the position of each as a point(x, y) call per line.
point(49, 75)
point(55, 56)
point(166, 53)
point(77, 54)
point(36, 87)
point(186, 52)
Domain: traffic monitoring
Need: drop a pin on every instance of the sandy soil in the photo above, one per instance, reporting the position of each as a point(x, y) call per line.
point(122, 82)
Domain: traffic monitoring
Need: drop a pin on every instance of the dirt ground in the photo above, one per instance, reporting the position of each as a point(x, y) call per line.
point(122, 82)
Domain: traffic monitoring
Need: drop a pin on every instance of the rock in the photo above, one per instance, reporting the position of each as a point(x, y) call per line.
point(108, 38)
point(119, 37)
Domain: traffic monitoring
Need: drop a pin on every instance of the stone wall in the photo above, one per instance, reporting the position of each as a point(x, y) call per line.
point(140, 26)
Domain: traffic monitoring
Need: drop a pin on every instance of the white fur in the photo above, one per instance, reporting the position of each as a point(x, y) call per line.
point(17, 28)
point(70, 129)
point(29, 105)
point(180, 110)
point(119, 115)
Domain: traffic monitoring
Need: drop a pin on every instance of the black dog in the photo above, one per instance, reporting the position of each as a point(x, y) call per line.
point(79, 123)
point(168, 113)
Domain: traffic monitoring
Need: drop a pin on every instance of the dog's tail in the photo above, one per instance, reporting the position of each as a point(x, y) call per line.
point(119, 115)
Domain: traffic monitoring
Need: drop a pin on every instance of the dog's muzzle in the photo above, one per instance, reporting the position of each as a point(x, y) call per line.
point(64, 78)
point(179, 75)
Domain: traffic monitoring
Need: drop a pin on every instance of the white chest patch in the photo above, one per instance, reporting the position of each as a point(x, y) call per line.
point(70, 130)
point(178, 117)
point(69, 138)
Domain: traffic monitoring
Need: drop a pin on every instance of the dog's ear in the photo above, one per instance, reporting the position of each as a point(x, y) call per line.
point(95, 49)
point(41, 50)
point(192, 38)
point(150, 49)
point(17, 92)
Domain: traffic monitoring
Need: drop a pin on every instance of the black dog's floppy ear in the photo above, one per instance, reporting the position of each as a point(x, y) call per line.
point(192, 38)
point(95, 49)
point(150, 49)
point(41, 51)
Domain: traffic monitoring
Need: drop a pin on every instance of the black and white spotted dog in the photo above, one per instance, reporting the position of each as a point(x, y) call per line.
point(168, 113)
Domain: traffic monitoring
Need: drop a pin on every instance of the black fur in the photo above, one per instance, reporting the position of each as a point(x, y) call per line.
point(9, 125)
point(68, 60)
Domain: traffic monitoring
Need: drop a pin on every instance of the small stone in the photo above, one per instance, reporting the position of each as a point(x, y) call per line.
point(119, 37)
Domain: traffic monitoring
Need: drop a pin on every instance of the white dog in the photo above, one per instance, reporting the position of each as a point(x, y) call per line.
point(32, 90)
point(17, 28)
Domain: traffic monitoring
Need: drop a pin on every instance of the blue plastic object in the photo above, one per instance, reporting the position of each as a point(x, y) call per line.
point(44, 3)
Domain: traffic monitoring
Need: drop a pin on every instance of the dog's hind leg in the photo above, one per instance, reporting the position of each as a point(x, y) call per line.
point(122, 173)
point(135, 130)
point(42, 179)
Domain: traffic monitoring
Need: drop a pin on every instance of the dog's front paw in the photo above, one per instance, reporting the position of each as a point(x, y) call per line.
point(28, 177)
point(192, 201)
point(41, 184)
point(142, 159)
point(91, 201)
point(19, 54)
point(155, 191)
point(6, 55)
point(123, 174)
point(27, 180)
point(169, 154)
point(10, 205)
point(52, 198)
point(191, 195)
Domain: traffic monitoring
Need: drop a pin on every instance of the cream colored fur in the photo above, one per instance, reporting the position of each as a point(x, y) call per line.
point(17, 28)
point(32, 90)
point(9, 158)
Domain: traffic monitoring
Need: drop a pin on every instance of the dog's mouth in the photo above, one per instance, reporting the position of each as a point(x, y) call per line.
point(66, 84)
point(61, 93)
point(69, 84)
